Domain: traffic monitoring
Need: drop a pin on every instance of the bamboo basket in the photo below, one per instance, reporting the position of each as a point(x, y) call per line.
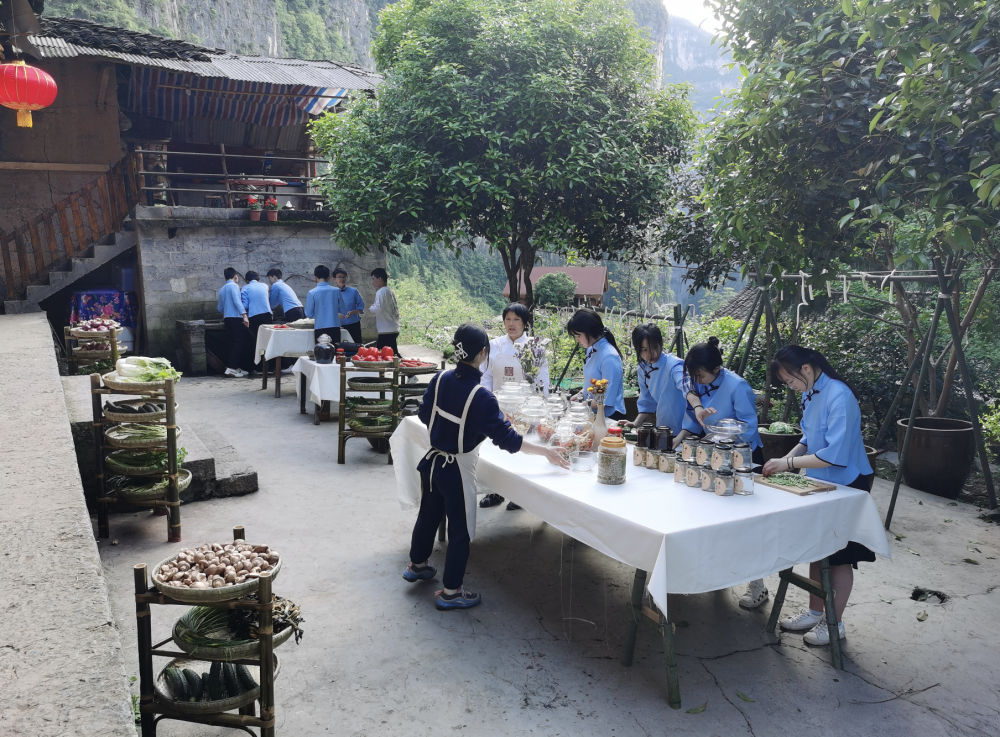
point(139, 417)
point(163, 691)
point(369, 384)
point(204, 632)
point(156, 491)
point(430, 368)
point(111, 381)
point(92, 334)
point(358, 424)
point(208, 596)
point(117, 466)
point(122, 442)
point(358, 363)
point(364, 404)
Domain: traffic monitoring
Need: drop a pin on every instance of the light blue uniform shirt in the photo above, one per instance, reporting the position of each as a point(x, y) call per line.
point(255, 298)
point(284, 295)
point(230, 301)
point(323, 305)
point(831, 429)
point(732, 398)
point(603, 362)
point(661, 391)
point(350, 299)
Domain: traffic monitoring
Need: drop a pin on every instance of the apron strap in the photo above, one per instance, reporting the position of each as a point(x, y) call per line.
point(465, 412)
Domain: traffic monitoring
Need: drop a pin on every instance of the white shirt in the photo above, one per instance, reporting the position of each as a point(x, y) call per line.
point(386, 311)
point(503, 365)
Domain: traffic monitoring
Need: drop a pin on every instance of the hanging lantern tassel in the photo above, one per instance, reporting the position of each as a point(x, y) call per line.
point(25, 88)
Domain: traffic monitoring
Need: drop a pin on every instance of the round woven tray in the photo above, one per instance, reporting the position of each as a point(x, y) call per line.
point(92, 334)
point(111, 381)
point(415, 388)
point(207, 707)
point(158, 492)
point(208, 596)
point(369, 429)
point(369, 384)
point(135, 416)
point(204, 632)
point(355, 404)
point(119, 442)
point(430, 368)
point(358, 363)
point(91, 353)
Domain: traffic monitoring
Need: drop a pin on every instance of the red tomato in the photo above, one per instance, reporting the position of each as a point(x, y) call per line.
point(387, 353)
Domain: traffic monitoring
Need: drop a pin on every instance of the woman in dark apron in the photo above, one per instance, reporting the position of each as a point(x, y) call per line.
point(460, 414)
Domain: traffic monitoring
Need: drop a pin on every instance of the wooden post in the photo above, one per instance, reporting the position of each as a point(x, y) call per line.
point(743, 328)
point(634, 614)
point(103, 527)
point(266, 632)
point(173, 500)
point(144, 642)
point(225, 177)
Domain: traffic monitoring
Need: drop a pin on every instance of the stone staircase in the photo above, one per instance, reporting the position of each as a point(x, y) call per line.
point(100, 254)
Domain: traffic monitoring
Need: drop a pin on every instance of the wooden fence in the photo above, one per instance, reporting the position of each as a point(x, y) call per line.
point(50, 239)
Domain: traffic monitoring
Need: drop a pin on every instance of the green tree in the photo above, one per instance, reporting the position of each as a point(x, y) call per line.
point(555, 289)
point(525, 124)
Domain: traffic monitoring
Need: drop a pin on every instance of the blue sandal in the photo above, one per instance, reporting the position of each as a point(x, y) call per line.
point(418, 573)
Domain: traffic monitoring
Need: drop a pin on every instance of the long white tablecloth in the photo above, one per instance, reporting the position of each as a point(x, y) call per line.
point(323, 380)
point(688, 540)
point(273, 342)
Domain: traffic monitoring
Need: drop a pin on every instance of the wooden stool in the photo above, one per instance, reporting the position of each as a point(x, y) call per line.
point(823, 589)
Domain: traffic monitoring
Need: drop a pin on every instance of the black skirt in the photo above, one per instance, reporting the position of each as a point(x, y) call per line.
point(855, 553)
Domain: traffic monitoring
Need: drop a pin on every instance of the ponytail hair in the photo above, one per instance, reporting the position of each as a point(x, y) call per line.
point(792, 358)
point(590, 324)
point(705, 356)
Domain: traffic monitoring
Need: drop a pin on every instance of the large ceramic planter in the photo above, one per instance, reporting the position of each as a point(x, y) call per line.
point(778, 444)
point(939, 457)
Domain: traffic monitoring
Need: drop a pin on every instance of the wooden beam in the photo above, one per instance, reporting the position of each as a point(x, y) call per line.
point(52, 166)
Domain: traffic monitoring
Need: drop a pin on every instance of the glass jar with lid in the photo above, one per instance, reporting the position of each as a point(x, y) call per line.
point(639, 455)
point(692, 474)
point(667, 461)
point(652, 459)
point(707, 477)
point(703, 452)
point(643, 433)
point(611, 455)
point(664, 438)
point(528, 420)
point(722, 455)
point(723, 483)
point(743, 481)
point(687, 447)
point(680, 471)
point(579, 417)
point(323, 352)
point(742, 455)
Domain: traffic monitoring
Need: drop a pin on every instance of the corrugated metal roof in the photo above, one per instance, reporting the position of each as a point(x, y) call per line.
point(184, 57)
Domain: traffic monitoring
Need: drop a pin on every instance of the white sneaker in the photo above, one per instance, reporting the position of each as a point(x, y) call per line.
point(820, 635)
point(805, 620)
point(240, 373)
point(755, 595)
point(231, 372)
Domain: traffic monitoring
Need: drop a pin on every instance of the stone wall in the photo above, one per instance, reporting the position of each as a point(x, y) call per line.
point(183, 251)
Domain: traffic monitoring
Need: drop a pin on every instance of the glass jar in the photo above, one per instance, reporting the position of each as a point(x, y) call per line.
point(707, 477)
point(743, 481)
point(579, 418)
point(652, 459)
point(638, 455)
point(722, 455)
point(742, 455)
point(703, 452)
point(724, 481)
point(664, 438)
point(323, 352)
point(528, 420)
point(611, 456)
point(692, 475)
point(643, 433)
point(667, 461)
point(687, 448)
point(680, 471)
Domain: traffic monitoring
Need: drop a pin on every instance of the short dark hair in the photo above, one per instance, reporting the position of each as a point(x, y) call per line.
point(321, 272)
point(651, 334)
point(229, 273)
point(705, 356)
point(380, 273)
point(252, 276)
point(518, 309)
point(338, 271)
point(274, 272)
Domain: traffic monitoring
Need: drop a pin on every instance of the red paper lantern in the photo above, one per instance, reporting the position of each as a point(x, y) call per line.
point(25, 88)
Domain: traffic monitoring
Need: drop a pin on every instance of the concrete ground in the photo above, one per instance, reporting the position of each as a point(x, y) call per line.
point(541, 655)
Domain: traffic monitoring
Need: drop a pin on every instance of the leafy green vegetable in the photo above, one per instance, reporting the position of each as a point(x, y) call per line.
point(143, 369)
point(782, 428)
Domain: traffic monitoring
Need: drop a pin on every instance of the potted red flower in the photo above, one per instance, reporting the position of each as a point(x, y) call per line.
point(271, 208)
point(253, 204)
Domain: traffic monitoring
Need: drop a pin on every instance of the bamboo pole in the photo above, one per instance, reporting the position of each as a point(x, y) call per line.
point(103, 527)
point(173, 501)
point(743, 329)
point(144, 643)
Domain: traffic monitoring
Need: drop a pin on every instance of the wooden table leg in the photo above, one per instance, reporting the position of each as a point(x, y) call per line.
point(673, 679)
point(634, 613)
point(263, 372)
point(779, 600)
point(277, 376)
point(831, 614)
point(302, 394)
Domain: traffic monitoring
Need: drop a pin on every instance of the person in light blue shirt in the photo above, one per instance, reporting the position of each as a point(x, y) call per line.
point(323, 305)
point(714, 393)
point(832, 450)
point(661, 381)
point(352, 307)
point(257, 304)
point(234, 317)
point(603, 360)
point(284, 296)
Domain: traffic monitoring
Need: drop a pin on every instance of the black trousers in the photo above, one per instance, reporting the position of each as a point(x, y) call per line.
point(441, 496)
point(238, 336)
point(387, 339)
point(293, 314)
point(264, 318)
point(354, 330)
